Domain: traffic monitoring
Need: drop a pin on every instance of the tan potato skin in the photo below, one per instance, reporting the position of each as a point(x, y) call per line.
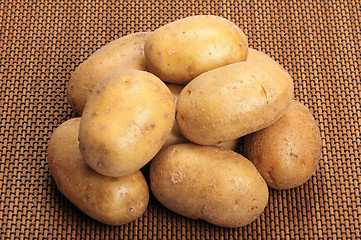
point(287, 152)
point(232, 101)
point(183, 49)
point(255, 55)
point(125, 52)
point(209, 183)
point(125, 122)
point(112, 201)
point(176, 137)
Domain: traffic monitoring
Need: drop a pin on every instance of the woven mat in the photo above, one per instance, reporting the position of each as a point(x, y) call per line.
point(41, 44)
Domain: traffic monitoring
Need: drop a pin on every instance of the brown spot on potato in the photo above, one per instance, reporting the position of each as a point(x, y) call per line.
point(293, 156)
point(164, 137)
point(166, 115)
point(152, 125)
point(86, 197)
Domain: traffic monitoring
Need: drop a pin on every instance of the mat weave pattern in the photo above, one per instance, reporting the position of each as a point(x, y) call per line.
point(42, 42)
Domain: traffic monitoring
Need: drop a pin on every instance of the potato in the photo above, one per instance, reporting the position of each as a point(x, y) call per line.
point(230, 145)
point(255, 55)
point(112, 201)
point(183, 49)
point(176, 137)
point(287, 152)
point(125, 52)
point(232, 101)
point(210, 183)
point(125, 122)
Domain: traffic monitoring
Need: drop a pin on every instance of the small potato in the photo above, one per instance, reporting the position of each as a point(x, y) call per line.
point(112, 201)
point(125, 122)
point(125, 52)
point(287, 152)
point(210, 183)
point(176, 137)
point(231, 101)
point(255, 55)
point(183, 49)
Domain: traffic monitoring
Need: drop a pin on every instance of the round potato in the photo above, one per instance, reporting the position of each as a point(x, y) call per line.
point(255, 55)
point(287, 152)
point(125, 122)
point(125, 52)
point(183, 49)
point(229, 102)
point(176, 137)
point(112, 201)
point(210, 183)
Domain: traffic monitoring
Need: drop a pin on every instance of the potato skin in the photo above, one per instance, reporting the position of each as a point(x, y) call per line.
point(287, 152)
point(183, 49)
point(124, 52)
point(125, 122)
point(176, 137)
point(209, 183)
point(232, 101)
point(112, 201)
point(255, 55)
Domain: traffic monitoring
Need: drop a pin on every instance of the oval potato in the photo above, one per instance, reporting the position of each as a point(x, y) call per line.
point(232, 101)
point(125, 122)
point(287, 152)
point(176, 137)
point(209, 183)
point(124, 52)
point(112, 201)
point(183, 49)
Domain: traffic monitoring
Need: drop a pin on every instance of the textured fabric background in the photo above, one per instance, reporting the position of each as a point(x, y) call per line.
point(42, 42)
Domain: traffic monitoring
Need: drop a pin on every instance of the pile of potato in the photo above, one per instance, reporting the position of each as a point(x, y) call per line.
point(180, 97)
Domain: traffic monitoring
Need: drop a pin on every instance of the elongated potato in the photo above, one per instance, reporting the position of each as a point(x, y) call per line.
point(209, 183)
point(125, 122)
point(112, 201)
point(255, 55)
point(176, 137)
point(287, 152)
point(125, 52)
point(232, 101)
point(183, 49)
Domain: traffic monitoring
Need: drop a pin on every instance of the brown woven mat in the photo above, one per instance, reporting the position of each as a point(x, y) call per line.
point(41, 44)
